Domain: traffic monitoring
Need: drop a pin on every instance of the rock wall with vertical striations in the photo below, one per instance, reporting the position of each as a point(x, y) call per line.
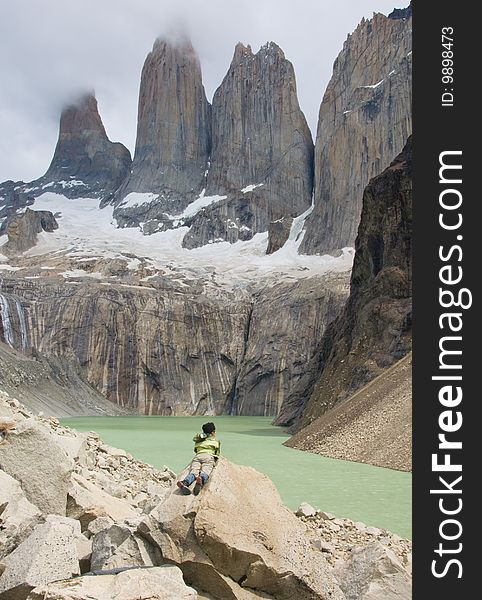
point(172, 350)
point(285, 326)
point(364, 121)
point(173, 137)
point(375, 327)
point(157, 353)
point(262, 150)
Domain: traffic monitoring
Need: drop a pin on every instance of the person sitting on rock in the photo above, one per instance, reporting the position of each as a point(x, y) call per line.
point(207, 449)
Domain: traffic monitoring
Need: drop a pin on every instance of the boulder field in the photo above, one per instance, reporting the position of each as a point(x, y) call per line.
point(80, 520)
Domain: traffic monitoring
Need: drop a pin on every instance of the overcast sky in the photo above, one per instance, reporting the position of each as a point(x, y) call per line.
point(51, 50)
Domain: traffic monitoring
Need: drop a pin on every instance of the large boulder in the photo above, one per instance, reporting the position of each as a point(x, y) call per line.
point(87, 502)
point(32, 456)
point(18, 516)
point(49, 554)
point(22, 230)
point(159, 583)
point(373, 572)
point(237, 534)
point(119, 546)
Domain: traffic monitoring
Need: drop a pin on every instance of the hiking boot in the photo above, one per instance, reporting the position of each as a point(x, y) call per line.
point(183, 487)
point(199, 485)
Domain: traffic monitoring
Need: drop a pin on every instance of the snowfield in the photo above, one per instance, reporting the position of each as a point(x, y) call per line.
point(86, 231)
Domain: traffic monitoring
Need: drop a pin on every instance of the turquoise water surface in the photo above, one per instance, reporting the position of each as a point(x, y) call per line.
point(376, 496)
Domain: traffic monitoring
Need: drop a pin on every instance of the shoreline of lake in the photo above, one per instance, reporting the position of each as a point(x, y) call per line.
point(374, 495)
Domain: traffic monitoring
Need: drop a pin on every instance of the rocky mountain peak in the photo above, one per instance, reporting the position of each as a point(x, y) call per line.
point(172, 49)
point(272, 49)
point(242, 52)
point(401, 13)
point(173, 136)
point(262, 150)
point(85, 162)
point(375, 327)
point(81, 118)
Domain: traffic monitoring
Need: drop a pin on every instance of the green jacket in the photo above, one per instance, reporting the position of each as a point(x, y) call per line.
point(206, 444)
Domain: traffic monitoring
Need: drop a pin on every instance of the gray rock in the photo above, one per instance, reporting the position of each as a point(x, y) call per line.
point(222, 537)
point(87, 502)
point(32, 456)
point(306, 510)
point(159, 583)
point(22, 230)
point(287, 321)
point(83, 546)
point(364, 121)
point(85, 162)
point(324, 515)
point(374, 573)
point(323, 546)
point(278, 233)
point(173, 137)
point(98, 525)
point(12, 201)
point(18, 516)
point(74, 444)
point(261, 144)
point(374, 328)
point(119, 546)
point(48, 554)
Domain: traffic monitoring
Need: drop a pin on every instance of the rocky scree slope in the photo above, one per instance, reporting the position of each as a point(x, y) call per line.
point(102, 510)
point(373, 426)
point(50, 384)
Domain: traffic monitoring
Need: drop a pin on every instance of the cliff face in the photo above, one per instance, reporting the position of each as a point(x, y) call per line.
point(374, 328)
point(161, 351)
point(173, 137)
point(262, 152)
point(284, 329)
point(85, 162)
point(364, 121)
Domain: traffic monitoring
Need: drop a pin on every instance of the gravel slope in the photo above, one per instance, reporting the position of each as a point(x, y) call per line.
point(373, 426)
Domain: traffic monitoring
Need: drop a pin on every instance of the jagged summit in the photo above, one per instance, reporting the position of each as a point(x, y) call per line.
point(245, 51)
point(81, 118)
point(401, 13)
point(262, 149)
point(85, 160)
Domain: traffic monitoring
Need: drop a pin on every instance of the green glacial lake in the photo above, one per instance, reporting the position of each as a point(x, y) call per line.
point(376, 496)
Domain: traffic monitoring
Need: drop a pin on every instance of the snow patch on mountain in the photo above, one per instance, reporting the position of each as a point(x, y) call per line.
point(86, 231)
